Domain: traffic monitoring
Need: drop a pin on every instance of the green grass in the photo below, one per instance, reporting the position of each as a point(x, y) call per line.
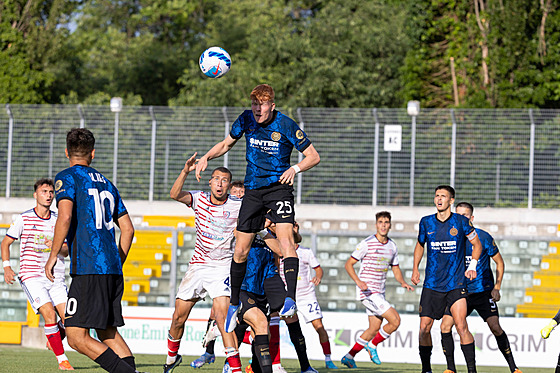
point(18, 359)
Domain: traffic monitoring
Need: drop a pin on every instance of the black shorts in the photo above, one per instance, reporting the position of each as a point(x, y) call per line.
point(276, 201)
point(275, 292)
point(434, 303)
point(94, 301)
point(251, 300)
point(483, 304)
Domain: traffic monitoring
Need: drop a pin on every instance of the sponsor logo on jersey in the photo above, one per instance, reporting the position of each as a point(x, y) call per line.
point(58, 185)
point(275, 136)
point(453, 231)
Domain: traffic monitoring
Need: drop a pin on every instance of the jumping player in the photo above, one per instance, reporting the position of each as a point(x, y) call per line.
point(483, 294)
point(445, 234)
point(35, 229)
point(89, 207)
point(307, 303)
point(377, 253)
point(270, 138)
point(216, 216)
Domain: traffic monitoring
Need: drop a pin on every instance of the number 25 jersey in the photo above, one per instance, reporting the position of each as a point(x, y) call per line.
point(97, 205)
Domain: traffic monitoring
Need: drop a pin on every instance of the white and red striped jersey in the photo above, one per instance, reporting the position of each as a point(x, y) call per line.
point(33, 231)
point(376, 258)
point(307, 261)
point(215, 225)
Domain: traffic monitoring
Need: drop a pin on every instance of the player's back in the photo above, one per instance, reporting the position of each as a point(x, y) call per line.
point(96, 206)
point(484, 276)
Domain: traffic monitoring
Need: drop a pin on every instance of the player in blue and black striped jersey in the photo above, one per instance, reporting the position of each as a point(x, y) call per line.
point(270, 138)
point(89, 207)
point(483, 293)
point(445, 235)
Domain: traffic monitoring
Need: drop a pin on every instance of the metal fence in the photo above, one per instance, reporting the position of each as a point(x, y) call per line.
point(492, 157)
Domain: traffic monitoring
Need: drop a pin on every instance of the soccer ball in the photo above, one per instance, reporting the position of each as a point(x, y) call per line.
point(214, 62)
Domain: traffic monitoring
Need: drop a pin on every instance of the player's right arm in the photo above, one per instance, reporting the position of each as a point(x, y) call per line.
point(418, 254)
point(127, 234)
point(349, 266)
point(177, 193)
point(9, 273)
point(61, 228)
point(500, 266)
point(217, 150)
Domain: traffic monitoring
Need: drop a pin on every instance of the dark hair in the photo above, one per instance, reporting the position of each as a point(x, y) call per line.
point(383, 214)
point(43, 181)
point(237, 184)
point(449, 188)
point(466, 205)
point(80, 142)
point(224, 170)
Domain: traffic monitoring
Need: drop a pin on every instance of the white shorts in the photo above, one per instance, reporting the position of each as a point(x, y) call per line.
point(202, 279)
point(376, 305)
point(40, 291)
point(309, 308)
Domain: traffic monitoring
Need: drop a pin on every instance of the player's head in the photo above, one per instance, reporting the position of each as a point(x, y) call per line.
point(80, 144)
point(444, 197)
point(219, 184)
point(237, 189)
point(465, 209)
point(44, 192)
point(383, 223)
point(262, 103)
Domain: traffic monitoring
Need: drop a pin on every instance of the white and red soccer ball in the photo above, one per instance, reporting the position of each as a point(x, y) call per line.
point(214, 62)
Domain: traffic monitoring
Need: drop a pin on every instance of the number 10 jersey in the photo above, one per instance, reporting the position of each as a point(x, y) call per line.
point(97, 205)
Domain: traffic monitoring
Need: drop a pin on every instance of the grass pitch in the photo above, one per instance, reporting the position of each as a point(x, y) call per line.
point(29, 360)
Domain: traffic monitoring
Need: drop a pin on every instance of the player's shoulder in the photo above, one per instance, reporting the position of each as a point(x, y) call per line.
point(483, 235)
point(304, 249)
point(234, 199)
point(372, 238)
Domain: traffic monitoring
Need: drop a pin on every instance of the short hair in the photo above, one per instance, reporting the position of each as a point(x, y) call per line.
point(383, 214)
point(80, 142)
point(237, 184)
point(224, 170)
point(43, 181)
point(262, 93)
point(449, 188)
point(466, 205)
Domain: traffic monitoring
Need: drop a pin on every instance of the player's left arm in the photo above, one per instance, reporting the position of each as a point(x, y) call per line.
point(500, 267)
point(470, 273)
point(127, 234)
point(400, 278)
point(61, 228)
point(318, 276)
point(311, 159)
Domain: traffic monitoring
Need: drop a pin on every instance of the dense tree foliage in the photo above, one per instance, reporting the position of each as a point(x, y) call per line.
point(316, 53)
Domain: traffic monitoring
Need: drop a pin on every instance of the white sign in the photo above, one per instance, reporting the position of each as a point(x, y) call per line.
point(393, 138)
point(146, 333)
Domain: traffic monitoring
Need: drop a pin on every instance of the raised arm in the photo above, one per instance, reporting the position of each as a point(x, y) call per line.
point(311, 159)
point(217, 150)
point(61, 228)
point(176, 191)
point(418, 254)
point(9, 273)
point(500, 267)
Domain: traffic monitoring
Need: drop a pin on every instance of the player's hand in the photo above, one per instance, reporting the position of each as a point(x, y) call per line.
point(496, 296)
point(190, 164)
point(407, 286)
point(48, 243)
point(316, 281)
point(9, 275)
point(415, 278)
point(471, 275)
point(200, 167)
point(49, 268)
point(288, 176)
point(362, 285)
